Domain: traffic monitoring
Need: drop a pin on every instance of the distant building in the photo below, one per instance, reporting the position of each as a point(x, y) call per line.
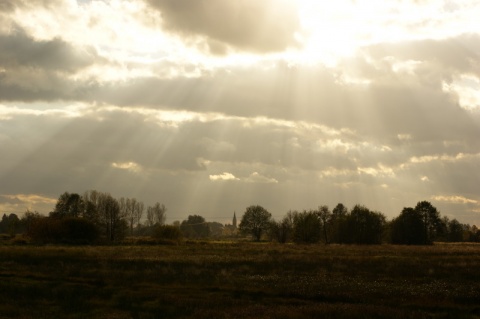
point(234, 222)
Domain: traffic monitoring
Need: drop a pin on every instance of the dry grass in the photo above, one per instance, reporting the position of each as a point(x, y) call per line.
point(240, 280)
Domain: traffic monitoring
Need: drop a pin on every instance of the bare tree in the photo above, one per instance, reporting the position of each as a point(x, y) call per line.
point(107, 213)
point(156, 214)
point(138, 212)
point(150, 217)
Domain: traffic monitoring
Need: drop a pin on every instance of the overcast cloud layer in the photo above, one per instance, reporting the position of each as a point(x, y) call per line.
point(212, 106)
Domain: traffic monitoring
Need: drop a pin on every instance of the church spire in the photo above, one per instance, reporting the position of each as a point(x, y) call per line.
point(234, 222)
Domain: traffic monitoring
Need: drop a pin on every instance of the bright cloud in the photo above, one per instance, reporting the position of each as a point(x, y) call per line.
point(129, 166)
point(455, 199)
point(223, 177)
point(20, 203)
point(255, 177)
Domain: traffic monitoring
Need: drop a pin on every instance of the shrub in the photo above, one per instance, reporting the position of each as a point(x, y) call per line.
point(169, 232)
point(71, 230)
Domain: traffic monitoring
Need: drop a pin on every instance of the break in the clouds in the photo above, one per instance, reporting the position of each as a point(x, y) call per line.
point(211, 106)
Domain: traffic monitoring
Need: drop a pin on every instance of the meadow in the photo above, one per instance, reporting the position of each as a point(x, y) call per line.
point(240, 280)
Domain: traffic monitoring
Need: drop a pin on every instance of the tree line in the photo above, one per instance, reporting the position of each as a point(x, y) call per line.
point(89, 218)
point(421, 225)
point(97, 217)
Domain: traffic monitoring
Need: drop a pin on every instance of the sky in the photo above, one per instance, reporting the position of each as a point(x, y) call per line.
point(210, 106)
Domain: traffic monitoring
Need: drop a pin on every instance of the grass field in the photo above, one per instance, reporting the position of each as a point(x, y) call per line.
point(240, 280)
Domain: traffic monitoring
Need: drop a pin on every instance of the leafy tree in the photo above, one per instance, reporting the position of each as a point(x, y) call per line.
point(363, 226)
point(3, 223)
point(337, 221)
point(307, 227)
point(408, 228)
point(455, 231)
point(325, 217)
point(71, 205)
point(431, 221)
point(195, 226)
point(10, 224)
point(28, 218)
point(255, 221)
point(91, 201)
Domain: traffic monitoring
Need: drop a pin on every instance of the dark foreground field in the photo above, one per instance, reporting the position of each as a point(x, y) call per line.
point(240, 280)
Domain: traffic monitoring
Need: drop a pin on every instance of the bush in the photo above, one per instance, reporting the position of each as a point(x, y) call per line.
point(169, 232)
point(79, 231)
point(69, 230)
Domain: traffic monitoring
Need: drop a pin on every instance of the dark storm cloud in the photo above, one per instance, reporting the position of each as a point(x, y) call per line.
point(251, 25)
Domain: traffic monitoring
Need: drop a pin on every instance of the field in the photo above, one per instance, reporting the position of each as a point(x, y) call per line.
point(240, 280)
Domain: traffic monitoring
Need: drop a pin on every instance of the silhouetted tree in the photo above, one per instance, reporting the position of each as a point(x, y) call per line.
point(111, 218)
point(363, 226)
point(156, 214)
point(138, 209)
point(337, 221)
point(325, 217)
point(255, 221)
point(195, 227)
point(10, 224)
point(3, 223)
point(455, 231)
point(306, 227)
point(69, 205)
point(91, 201)
point(431, 221)
point(133, 210)
point(408, 228)
point(28, 218)
point(282, 231)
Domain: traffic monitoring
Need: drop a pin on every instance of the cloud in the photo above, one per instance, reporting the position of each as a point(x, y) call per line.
point(458, 53)
point(257, 178)
point(246, 25)
point(41, 69)
point(455, 199)
point(19, 50)
point(10, 5)
point(223, 177)
point(20, 203)
point(128, 166)
point(91, 92)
